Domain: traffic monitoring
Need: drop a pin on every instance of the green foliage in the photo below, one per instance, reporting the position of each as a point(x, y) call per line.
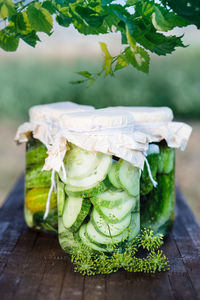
point(89, 263)
point(140, 28)
point(7, 8)
point(39, 18)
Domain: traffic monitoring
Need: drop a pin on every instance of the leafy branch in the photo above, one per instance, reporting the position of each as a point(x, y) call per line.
point(141, 23)
point(89, 263)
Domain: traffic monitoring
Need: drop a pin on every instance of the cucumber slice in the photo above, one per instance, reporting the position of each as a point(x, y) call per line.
point(67, 241)
point(101, 240)
point(109, 198)
point(60, 197)
point(109, 229)
point(75, 211)
point(112, 175)
point(97, 175)
point(99, 188)
point(80, 163)
point(134, 227)
point(87, 242)
point(117, 214)
point(61, 228)
point(129, 177)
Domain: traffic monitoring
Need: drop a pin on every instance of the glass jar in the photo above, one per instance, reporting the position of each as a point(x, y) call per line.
point(158, 202)
point(37, 185)
point(111, 213)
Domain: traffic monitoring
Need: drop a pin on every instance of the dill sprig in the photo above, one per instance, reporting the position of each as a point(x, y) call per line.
point(88, 262)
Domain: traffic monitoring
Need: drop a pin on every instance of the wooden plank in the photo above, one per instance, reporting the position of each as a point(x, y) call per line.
point(33, 266)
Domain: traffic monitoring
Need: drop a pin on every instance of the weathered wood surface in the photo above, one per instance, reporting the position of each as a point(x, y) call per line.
point(33, 266)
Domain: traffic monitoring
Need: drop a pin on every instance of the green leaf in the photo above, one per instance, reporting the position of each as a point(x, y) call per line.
point(138, 58)
point(161, 44)
point(145, 35)
point(81, 24)
point(90, 16)
point(189, 10)
point(7, 8)
point(108, 59)
point(49, 6)
point(133, 2)
point(21, 23)
point(122, 62)
point(39, 18)
point(77, 81)
point(85, 74)
point(30, 38)
point(60, 1)
point(163, 20)
point(106, 2)
point(8, 42)
point(63, 20)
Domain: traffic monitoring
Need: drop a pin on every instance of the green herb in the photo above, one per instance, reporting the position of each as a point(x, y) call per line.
point(141, 23)
point(88, 262)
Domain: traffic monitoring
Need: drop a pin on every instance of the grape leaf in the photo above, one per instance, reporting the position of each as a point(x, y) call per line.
point(189, 10)
point(146, 35)
point(85, 74)
point(8, 42)
point(7, 8)
point(108, 59)
point(21, 23)
point(39, 18)
point(90, 16)
point(106, 2)
point(49, 6)
point(138, 58)
point(81, 24)
point(30, 38)
point(163, 20)
point(63, 20)
point(122, 62)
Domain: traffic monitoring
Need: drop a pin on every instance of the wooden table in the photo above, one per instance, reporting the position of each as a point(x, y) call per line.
point(33, 266)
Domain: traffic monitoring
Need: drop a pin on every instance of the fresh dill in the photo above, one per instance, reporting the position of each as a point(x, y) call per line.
point(88, 262)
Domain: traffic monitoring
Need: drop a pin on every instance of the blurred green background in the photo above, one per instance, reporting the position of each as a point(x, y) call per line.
point(27, 80)
point(173, 81)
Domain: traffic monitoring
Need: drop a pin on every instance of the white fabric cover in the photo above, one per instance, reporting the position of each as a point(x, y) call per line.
point(119, 131)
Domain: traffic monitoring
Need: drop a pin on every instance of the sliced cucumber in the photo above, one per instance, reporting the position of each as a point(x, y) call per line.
point(134, 227)
point(60, 197)
point(112, 175)
point(98, 174)
point(87, 242)
point(67, 241)
point(61, 228)
point(129, 177)
point(101, 240)
point(75, 211)
point(117, 214)
point(93, 191)
point(109, 198)
point(80, 163)
point(109, 229)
